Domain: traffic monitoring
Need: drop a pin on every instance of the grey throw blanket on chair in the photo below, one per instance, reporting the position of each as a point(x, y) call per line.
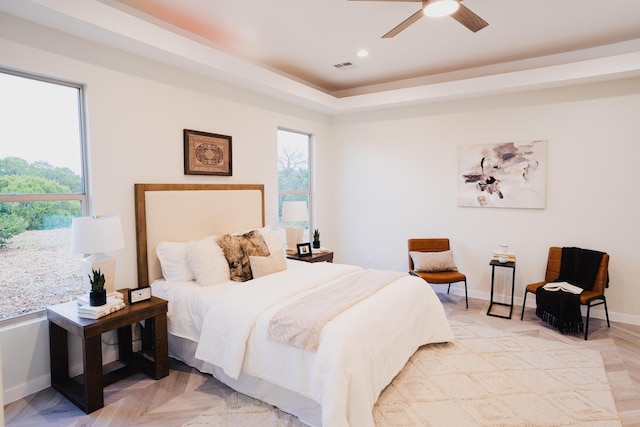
point(562, 309)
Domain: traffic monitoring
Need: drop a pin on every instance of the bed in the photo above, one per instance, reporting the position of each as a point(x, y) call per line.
point(228, 329)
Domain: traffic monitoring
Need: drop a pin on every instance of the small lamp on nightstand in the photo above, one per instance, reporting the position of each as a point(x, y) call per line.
point(95, 235)
point(294, 212)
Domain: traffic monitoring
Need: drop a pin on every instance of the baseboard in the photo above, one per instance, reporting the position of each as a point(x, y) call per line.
point(23, 390)
point(38, 384)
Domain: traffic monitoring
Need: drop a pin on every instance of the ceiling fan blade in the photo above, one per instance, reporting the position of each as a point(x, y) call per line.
point(404, 24)
point(466, 17)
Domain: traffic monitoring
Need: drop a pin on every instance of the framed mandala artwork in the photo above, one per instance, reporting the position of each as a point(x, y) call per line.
point(206, 153)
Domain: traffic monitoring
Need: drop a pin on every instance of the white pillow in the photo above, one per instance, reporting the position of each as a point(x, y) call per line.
point(433, 261)
point(272, 239)
point(265, 265)
point(207, 261)
point(173, 261)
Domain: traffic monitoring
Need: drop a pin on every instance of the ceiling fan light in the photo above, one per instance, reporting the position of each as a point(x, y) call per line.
point(437, 8)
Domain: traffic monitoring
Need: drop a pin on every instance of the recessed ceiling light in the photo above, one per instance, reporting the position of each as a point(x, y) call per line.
point(363, 53)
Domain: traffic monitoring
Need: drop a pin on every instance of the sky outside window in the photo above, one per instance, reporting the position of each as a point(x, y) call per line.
point(33, 114)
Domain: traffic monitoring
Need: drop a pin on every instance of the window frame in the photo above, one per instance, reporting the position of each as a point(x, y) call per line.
point(309, 191)
point(47, 197)
point(84, 196)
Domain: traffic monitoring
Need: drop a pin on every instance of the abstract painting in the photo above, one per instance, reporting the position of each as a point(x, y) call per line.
point(506, 175)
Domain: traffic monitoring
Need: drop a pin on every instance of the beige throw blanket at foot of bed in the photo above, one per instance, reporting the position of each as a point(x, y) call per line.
point(300, 323)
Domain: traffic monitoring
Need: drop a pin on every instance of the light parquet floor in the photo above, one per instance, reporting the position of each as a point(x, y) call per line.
point(186, 393)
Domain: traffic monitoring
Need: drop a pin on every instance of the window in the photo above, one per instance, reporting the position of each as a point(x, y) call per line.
point(42, 186)
point(294, 174)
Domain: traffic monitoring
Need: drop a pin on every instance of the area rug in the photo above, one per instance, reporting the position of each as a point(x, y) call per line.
point(486, 377)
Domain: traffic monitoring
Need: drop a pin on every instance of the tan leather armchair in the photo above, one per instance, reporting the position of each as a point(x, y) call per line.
point(438, 277)
point(591, 298)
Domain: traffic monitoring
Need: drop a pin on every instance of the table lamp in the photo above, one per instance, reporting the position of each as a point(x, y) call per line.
point(294, 212)
point(95, 235)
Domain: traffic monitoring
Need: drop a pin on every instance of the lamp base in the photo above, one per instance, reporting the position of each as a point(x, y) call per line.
point(294, 236)
point(107, 266)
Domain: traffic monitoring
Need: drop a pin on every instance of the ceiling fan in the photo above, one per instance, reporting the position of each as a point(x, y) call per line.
point(435, 8)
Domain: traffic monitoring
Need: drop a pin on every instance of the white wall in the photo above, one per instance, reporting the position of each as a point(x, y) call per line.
point(137, 111)
point(397, 175)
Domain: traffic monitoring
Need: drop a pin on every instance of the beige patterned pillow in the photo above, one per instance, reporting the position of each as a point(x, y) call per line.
point(238, 249)
point(433, 261)
point(265, 265)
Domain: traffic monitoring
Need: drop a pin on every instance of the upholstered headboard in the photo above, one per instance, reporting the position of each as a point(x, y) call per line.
point(183, 212)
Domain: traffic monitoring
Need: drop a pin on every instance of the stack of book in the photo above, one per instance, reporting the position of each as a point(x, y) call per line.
point(87, 311)
point(497, 253)
point(320, 250)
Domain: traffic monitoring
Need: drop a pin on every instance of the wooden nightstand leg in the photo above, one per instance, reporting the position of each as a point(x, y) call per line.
point(161, 346)
point(92, 357)
point(125, 343)
point(59, 355)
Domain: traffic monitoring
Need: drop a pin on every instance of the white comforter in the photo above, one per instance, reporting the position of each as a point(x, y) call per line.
point(360, 351)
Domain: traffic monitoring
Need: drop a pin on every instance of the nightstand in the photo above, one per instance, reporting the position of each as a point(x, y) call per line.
point(86, 390)
point(325, 256)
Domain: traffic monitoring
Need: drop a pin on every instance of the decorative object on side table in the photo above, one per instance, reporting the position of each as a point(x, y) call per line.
point(207, 153)
point(96, 235)
point(97, 294)
point(294, 211)
point(139, 294)
point(503, 255)
point(88, 311)
point(99, 305)
point(316, 239)
point(304, 249)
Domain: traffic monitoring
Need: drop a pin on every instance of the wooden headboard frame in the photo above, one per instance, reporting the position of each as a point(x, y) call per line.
point(183, 212)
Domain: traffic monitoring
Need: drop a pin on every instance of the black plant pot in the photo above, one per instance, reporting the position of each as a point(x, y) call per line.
point(97, 297)
point(316, 244)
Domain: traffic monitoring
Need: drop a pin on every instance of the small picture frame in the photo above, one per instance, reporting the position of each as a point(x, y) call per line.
point(304, 249)
point(206, 153)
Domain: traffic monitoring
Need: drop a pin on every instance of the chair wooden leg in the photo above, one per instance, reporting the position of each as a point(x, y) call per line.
point(524, 303)
point(448, 288)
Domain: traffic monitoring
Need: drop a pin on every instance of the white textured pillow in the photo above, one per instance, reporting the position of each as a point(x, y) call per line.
point(272, 239)
point(433, 261)
point(207, 261)
point(265, 265)
point(173, 261)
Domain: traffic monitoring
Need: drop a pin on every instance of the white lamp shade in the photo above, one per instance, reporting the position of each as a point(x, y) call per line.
point(96, 234)
point(294, 211)
point(436, 8)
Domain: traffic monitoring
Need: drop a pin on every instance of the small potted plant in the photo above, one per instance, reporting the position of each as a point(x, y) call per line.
point(316, 239)
point(98, 294)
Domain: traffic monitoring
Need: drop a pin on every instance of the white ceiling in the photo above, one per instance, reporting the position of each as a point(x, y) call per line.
point(288, 48)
